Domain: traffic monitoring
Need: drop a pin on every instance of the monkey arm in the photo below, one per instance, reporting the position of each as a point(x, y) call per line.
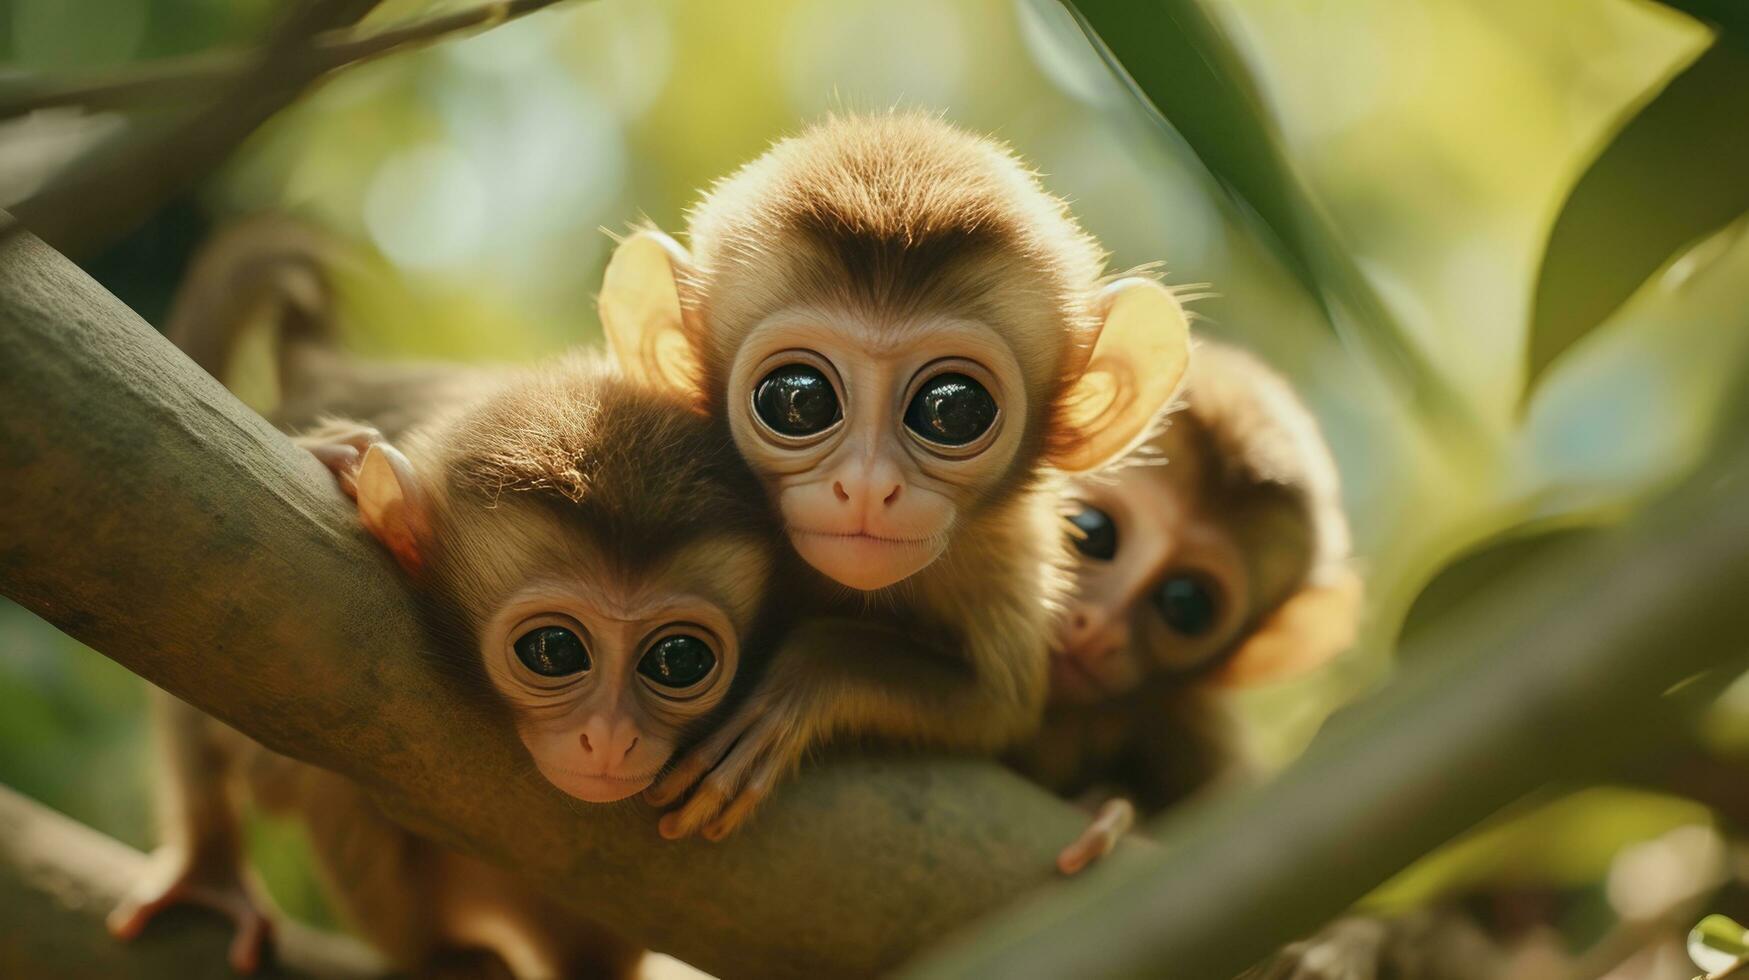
point(837, 677)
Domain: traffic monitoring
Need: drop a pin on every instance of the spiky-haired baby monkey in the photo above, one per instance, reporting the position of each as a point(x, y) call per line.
point(907, 337)
point(591, 555)
point(1217, 559)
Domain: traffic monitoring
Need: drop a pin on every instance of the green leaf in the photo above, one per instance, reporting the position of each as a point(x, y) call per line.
point(1717, 943)
point(1178, 59)
point(1470, 574)
point(1678, 170)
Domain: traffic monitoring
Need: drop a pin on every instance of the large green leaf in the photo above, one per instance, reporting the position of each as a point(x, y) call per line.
point(1676, 171)
point(1177, 57)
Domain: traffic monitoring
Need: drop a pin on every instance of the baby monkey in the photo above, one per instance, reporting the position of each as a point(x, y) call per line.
point(592, 559)
point(907, 338)
point(1214, 559)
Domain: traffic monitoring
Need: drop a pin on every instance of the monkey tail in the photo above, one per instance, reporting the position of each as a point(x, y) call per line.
point(268, 266)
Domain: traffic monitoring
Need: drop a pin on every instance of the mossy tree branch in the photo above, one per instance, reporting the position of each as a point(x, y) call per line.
point(146, 512)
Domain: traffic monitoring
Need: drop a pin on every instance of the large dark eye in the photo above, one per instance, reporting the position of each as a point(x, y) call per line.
point(552, 651)
point(1098, 537)
point(796, 400)
point(1188, 605)
point(678, 661)
point(951, 410)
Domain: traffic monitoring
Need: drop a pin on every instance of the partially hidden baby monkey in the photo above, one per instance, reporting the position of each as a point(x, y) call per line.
point(592, 558)
point(1216, 558)
point(907, 338)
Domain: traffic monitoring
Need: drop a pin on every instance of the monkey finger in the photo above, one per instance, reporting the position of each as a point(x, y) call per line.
point(1115, 818)
point(341, 460)
point(702, 759)
point(758, 762)
point(699, 809)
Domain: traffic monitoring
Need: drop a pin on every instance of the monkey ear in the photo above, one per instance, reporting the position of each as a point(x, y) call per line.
point(1307, 631)
point(642, 316)
point(392, 506)
point(1131, 375)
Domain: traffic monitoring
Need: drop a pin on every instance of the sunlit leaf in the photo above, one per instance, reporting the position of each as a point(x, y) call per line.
point(1717, 943)
point(1678, 170)
point(1178, 58)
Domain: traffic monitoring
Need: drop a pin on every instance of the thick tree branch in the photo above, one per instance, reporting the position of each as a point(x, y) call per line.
point(1566, 667)
point(146, 512)
point(58, 879)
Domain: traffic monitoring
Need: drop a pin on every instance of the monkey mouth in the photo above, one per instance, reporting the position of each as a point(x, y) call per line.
point(863, 536)
point(599, 787)
point(863, 561)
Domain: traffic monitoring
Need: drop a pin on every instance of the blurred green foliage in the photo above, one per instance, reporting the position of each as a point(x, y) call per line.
point(1417, 152)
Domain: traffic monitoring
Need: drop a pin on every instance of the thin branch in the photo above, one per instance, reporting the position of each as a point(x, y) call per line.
point(196, 76)
point(121, 182)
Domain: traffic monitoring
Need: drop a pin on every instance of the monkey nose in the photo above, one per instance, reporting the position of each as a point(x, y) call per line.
point(854, 491)
point(607, 747)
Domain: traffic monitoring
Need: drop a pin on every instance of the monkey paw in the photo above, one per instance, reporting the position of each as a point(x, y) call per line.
point(730, 774)
point(1113, 820)
point(341, 446)
point(174, 878)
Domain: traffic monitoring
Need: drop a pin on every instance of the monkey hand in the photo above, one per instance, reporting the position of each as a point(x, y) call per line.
point(176, 876)
point(1112, 820)
point(731, 772)
point(341, 446)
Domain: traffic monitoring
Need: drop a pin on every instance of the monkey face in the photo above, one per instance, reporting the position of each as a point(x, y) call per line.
point(873, 437)
point(605, 676)
point(1161, 586)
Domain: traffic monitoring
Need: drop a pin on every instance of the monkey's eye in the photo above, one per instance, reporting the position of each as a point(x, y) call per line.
point(552, 651)
point(1188, 604)
point(1098, 537)
point(951, 410)
point(796, 400)
point(678, 661)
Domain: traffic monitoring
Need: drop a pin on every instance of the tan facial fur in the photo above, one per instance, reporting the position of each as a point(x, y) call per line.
point(604, 732)
point(868, 500)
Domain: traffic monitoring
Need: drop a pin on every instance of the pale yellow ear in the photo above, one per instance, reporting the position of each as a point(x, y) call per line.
point(641, 313)
point(392, 507)
point(1307, 631)
point(1131, 375)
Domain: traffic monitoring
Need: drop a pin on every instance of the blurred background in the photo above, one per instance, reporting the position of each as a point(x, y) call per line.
point(478, 181)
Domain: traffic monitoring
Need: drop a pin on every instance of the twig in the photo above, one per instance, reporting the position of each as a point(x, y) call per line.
point(195, 75)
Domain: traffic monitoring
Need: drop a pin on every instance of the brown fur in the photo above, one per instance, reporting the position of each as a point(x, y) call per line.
point(894, 217)
point(1249, 454)
point(527, 465)
point(901, 213)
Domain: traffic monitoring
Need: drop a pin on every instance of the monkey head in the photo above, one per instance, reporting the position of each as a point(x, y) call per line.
point(607, 554)
point(901, 329)
point(1219, 555)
